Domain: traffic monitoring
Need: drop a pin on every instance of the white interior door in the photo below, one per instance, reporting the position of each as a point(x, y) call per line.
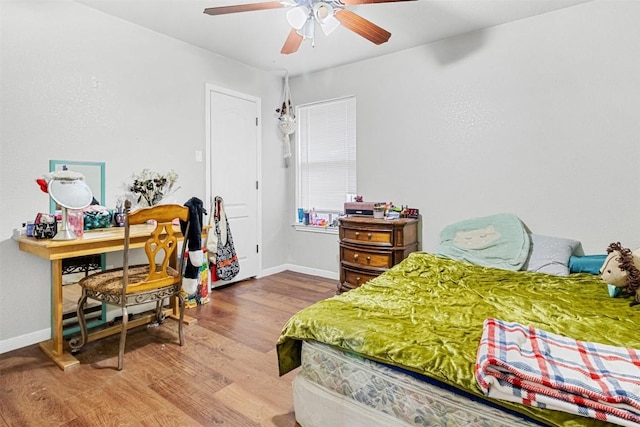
point(233, 169)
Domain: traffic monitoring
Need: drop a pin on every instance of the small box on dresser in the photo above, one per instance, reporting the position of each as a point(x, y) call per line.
point(369, 247)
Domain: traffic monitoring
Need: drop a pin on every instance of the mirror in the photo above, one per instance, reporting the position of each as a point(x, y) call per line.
point(93, 175)
point(69, 194)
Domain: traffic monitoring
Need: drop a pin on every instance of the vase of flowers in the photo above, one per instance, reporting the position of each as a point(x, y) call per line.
point(150, 188)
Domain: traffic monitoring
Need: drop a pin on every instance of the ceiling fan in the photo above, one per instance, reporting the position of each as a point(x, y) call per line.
point(304, 14)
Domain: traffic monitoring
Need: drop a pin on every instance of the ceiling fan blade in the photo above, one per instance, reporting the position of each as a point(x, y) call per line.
point(292, 44)
point(221, 10)
point(353, 2)
point(363, 27)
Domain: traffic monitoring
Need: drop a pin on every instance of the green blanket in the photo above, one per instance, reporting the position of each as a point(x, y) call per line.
point(426, 315)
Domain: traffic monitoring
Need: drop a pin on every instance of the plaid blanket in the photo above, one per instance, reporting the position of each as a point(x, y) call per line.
point(526, 365)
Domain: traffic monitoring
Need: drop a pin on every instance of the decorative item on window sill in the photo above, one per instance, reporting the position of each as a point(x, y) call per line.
point(287, 120)
point(150, 188)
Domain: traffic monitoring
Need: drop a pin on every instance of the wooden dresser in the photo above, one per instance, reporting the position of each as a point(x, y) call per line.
point(369, 247)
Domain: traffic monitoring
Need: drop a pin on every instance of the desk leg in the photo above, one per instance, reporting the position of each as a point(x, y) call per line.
point(56, 305)
point(54, 348)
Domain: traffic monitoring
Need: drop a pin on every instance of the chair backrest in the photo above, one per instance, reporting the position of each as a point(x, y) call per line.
point(161, 247)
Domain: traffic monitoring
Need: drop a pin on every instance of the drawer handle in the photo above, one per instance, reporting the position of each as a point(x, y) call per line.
point(368, 259)
point(357, 280)
point(355, 256)
point(369, 236)
point(357, 234)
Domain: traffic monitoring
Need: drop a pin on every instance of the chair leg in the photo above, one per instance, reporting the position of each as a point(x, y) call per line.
point(159, 314)
point(77, 343)
point(123, 337)
point(181, 304)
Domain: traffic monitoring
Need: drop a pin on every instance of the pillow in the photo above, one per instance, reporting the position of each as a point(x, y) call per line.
point(586, 264)
point(499, 241)
point(550, 254)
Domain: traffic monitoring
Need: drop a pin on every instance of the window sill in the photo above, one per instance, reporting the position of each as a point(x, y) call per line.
point(315, 229)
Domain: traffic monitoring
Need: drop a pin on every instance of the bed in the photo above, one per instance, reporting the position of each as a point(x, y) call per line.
point(403, 348)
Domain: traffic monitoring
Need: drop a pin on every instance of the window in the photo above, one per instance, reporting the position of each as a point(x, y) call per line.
point(326, 155)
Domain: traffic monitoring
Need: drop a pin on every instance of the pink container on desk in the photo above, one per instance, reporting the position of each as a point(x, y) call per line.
point(76, 222)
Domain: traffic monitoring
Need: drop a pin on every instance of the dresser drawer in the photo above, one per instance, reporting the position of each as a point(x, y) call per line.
point(366, 257)
point(373, 237)
point(352, 277)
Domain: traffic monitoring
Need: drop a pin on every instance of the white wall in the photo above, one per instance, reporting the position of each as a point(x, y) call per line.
point(539, 117)
point(80, 85)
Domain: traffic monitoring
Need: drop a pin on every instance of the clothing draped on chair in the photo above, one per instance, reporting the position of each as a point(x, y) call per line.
point(195, 258)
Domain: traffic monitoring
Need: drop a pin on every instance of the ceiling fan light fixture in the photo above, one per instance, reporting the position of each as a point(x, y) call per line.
point(324, 14)
point(304, 14)
point(308, 30)
point(322, 11)
point(329, 26)
point(298, 17)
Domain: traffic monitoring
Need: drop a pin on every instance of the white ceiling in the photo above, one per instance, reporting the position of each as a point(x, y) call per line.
point(255, 38)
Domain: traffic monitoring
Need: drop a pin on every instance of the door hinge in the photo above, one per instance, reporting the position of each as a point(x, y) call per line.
point(256, 185)
point(256, 121)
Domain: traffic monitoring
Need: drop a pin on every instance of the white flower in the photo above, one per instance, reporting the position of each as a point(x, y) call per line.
point(151, 187)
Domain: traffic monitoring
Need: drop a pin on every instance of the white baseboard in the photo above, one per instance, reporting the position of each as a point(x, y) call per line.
point(45, 334)
point(24, 340)
point(301, 269)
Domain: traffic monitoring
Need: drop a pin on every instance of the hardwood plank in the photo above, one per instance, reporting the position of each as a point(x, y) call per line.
point(282, 303)
point(225, 374)
point(168, 418)
point(245, 399)
point(27, 401)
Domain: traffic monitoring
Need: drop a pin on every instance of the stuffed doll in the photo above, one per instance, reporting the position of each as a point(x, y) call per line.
point(196, 257)
point(621, 269)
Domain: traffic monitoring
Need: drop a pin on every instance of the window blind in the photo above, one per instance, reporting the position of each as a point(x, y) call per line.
point(326, 156)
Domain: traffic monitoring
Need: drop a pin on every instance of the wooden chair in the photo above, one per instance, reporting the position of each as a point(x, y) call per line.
point(140, 284)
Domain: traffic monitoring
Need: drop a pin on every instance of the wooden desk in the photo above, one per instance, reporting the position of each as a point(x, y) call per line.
point(92, 242)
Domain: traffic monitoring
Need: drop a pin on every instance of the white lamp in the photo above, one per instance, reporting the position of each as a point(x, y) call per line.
point(308, 30)
point(298, 16)
point(324, 14)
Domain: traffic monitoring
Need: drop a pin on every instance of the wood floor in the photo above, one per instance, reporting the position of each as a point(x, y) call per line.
point(225, 374)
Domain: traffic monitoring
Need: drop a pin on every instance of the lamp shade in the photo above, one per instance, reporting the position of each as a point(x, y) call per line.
point(324, 14)
point(298, 16)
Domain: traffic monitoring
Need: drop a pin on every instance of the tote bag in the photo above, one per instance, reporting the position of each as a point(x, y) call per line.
point(226, 262)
